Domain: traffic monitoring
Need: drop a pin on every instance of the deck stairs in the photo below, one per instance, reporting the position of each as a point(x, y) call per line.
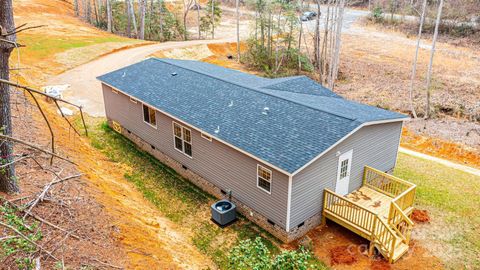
point(388, 227)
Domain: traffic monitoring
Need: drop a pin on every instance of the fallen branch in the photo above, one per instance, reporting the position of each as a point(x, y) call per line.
point(8, 138)
point(13, 161)
point(44, 191)
point(107, 264)
point(39, 218)
point(28, 240)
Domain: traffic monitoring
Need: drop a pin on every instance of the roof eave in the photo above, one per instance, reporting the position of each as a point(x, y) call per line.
point(370, 123)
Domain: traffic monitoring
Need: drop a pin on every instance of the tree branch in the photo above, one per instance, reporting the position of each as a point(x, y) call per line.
point(28, 240)
point(8, 138)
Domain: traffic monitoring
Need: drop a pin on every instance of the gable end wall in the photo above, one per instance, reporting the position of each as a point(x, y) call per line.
point(374, 145)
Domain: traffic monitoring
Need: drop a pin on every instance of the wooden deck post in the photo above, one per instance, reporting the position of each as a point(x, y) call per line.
point(372, 238)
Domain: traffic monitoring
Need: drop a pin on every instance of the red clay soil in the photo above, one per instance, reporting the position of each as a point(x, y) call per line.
point(420, 216)
point(343, 255)
point(440, 148)
point(380, 265)
point(333, 236)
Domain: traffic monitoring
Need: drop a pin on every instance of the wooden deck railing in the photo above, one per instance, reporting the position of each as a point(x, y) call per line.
point(385, 233)
point(349, 211)
point(369, 222)
point(384, 183)
point(403, 194)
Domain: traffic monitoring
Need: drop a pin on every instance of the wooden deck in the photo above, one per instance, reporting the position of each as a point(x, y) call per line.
point(374, 201)
point(378, 211)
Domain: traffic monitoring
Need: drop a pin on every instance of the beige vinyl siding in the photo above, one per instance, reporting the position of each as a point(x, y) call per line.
point(374, 145)
point(220, 164)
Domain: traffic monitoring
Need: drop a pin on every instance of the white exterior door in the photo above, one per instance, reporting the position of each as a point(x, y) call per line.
point(343, 174)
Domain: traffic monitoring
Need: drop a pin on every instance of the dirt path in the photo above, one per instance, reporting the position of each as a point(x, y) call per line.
point(85, 89)
point(444, 162)
point(150, 240)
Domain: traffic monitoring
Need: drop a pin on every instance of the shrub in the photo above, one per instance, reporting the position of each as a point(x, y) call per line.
point(377, 14)
point(250, 254)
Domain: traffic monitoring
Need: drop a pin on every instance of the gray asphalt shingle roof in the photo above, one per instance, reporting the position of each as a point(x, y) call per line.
point(303, 118)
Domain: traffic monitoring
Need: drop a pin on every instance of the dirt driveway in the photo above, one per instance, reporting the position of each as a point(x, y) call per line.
point(85, 89)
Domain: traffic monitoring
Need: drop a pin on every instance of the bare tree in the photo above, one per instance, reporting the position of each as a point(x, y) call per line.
point(414, 66)
point(134, 20)
point(197, 7)
point(213, 19)
point(238, 28)
point(141, 34)
point(129, 18)
point(8, 182)
point(432, 53)
point(75, 7)
point(160, 18)
point(187, 5)
point(109, 17)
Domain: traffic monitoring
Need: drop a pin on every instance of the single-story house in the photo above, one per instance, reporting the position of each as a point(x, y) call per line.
point(281, 147)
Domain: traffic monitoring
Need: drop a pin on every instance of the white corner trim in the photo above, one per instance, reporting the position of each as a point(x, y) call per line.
point(345, 137)
point(289, 202)
point(398, 147)
point(200, 130)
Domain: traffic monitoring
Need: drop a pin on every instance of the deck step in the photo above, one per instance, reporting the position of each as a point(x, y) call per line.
point(400, 249)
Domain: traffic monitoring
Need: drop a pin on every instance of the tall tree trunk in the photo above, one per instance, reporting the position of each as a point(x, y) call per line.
point(430, 64)
point(8, 181)
point(316, 45)
point(129, 18)
point(150, 21)
point(134, 20)
point(141, 33)
point(109, 17)
point(160, 19)
point(95, 11)
point(75, 7)
point(89, 11)
point(300, 33)
point(213, 19)
point(414, 66)
point(197, 6)
point(238, 29)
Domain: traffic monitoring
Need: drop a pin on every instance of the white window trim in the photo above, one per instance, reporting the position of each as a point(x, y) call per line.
point(174, 136)
point(271, 178)
point(143, 116)
point(133, 100)
point(206, 137)
point(114, 91)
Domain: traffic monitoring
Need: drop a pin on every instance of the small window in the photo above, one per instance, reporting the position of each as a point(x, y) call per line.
point(149, 116)
point(182, 139)
point(114, 91)
point(206, 137)
point(133, 100)
point(264, 178)
point(343, 169)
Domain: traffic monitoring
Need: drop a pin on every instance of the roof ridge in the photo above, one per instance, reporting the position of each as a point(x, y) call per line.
point(251, 88)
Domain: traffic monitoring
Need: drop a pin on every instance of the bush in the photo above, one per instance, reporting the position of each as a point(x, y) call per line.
point(377, 14)
point(250, 254)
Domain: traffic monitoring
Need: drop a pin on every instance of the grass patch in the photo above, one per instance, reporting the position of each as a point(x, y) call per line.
point(44, 45)
point(455, 195)
point(176, 197)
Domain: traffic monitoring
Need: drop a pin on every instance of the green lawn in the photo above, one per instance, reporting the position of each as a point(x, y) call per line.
point(453, 199)
point(165, 188)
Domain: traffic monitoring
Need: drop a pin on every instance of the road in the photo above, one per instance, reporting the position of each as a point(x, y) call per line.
point(85, 89)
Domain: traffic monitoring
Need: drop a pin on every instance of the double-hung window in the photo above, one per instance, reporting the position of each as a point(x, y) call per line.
point(182, 139)
point(149, 116)
point(264, 178)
